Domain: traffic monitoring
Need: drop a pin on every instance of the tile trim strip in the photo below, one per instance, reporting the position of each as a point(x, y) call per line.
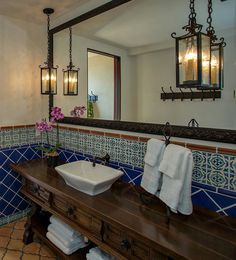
point(204, 148)
point(15, 216)
point(197, 147)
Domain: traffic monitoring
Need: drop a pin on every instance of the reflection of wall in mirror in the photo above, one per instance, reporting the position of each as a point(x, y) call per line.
point(156, 69)
point(79, 52)
point(143, 75)
point(101, 82)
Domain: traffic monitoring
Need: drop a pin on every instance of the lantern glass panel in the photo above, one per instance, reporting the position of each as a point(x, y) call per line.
point(48, 80)
point(187, 60)
point(206, 57)
point(53, 81)
point(70, 81)
point(217, 66)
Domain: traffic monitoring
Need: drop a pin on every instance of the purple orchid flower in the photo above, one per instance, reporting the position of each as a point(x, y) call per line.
point(56, 114)
point(78, 111)
point(43, 126)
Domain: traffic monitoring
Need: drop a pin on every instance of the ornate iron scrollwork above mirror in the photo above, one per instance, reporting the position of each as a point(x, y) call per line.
point(149, 112)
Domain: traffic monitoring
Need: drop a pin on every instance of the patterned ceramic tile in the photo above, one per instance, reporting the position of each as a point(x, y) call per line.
point(232, 182)
point(217, 178)
point(218, 161)
point(199, 174)
point(233, 164)
point(199, 158)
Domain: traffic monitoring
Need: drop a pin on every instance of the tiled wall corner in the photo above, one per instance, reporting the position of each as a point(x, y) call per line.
point(17, 143)
point(12, 201)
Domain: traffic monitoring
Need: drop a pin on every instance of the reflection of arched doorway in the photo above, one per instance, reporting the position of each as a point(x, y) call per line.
point(104, 81)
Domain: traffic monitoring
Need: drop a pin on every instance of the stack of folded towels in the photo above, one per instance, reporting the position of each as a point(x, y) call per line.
point(64, 237)
point(97, 254)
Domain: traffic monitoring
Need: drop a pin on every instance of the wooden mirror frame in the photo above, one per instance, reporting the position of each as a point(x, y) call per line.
point(200, 133)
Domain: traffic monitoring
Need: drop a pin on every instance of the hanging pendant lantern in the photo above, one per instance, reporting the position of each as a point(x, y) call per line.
point(48, 72)
point(193, 55)
point(70, 75)
point(217, 54)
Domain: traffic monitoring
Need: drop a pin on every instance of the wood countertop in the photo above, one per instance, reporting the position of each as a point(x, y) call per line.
point(203, 235)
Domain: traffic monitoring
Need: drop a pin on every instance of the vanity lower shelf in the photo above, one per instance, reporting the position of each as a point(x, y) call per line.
point(121, 225)
point(40, 229)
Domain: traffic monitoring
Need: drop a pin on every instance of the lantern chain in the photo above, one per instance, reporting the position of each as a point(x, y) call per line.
point(192, 15)
point(70, 50)
point(192, 27)
point(48, 28)
point(210, 29)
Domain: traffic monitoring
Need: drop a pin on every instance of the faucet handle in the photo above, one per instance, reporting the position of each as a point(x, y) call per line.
point(107, 157)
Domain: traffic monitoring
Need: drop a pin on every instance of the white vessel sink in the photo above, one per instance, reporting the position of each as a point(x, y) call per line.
point(82, 176)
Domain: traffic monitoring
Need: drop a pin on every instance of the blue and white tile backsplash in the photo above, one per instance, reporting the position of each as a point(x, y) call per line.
point(11, 200)
point(214, 175)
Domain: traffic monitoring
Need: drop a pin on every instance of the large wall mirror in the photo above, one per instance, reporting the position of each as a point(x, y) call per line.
point(138, 32)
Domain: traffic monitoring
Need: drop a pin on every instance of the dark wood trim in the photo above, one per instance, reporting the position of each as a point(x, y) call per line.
point(117, 88)
point(99, 10)
point(209, 134)
point(199, 133)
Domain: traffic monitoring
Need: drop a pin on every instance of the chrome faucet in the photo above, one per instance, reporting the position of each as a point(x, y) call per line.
point(105, 159)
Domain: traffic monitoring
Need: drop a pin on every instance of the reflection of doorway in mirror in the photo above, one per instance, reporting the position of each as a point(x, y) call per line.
point(101, 82)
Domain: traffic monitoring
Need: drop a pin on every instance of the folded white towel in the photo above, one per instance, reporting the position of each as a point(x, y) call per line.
point(66, 229)
point(66, 240)
point(151, 179)
point(97, 254)
point(177, 178)
point(57, 243)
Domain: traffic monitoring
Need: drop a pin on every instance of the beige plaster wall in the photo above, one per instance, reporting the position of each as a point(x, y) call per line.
point(22, 49)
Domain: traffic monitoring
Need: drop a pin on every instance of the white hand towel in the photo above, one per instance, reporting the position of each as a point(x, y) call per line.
point(170, 163)
point(151, 175)
point(176, 191)
point(154, 151)
point(57, 243)
point(66, 240)
point(69, 231)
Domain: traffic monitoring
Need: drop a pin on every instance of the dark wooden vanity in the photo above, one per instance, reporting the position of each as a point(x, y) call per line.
point(120, 224)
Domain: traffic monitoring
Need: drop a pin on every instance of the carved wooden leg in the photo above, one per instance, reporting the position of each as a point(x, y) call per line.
point(28, 233)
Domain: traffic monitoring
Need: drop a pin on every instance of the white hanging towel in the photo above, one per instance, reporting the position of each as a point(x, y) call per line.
point(151, 175)
point(177, 168)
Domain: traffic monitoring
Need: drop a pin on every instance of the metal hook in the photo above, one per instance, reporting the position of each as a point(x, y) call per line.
point(166, 127)
point(172, 96)
point(164, 96)
point(193, 123)
point(182, 94)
